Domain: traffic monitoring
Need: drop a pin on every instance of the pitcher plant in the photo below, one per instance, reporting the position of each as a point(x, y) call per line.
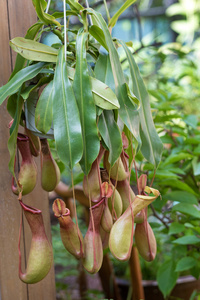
point(76, 94)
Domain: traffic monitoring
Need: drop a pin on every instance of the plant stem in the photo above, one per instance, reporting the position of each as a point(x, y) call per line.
point(157, 216)
point(107, 11)
point(75, 212)
point(136, 174)
point(48, 5)
point(64, 191)
point(139, 23)
point(129, 192)
point(136, 275)
point(59, 34)
point(154, 174)
point(89, 16)
point(90, 206)
point(108, 280)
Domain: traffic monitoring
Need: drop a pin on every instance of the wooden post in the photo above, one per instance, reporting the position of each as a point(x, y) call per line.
point(108, 280)
point(136, 275)
point(16, 16)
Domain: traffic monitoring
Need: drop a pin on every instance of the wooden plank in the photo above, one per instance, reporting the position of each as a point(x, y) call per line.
point(21, 16)
point(9, 211)
point(9, 223)
point(136, 275)
point(108, 280)
point(5, 63)
point(15, 18)
point(44, 289)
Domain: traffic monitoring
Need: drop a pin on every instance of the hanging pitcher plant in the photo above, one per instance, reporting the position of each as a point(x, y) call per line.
point(77, 94)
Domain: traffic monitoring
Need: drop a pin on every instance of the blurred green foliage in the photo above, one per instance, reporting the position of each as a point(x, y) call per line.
point(188, 21)
point(172, 75)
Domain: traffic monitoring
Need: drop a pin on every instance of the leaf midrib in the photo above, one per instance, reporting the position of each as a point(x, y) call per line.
point(48, 102)
point(65, 111)
point(117, 77)
point(133, 69)
point(35, 50)
point(82, 105)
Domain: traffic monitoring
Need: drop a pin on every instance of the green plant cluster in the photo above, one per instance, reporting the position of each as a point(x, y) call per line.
point(75, 121)
point(176, 218)
point(172, 75)
point(91, 100)
point(78, 87)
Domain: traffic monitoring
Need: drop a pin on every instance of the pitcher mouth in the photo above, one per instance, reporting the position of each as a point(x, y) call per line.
point(31, 209)
point(67, 213)
point(22, 137)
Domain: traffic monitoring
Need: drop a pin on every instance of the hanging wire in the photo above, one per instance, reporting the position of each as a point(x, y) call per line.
point(46, 11)
point(89, 16)
point(65, 30)
point(48, 5)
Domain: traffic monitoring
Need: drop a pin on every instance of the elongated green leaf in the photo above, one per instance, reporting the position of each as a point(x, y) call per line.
point(178, 185)
point(108, 128)
point(26, 92)
point(66, 120)
point(44, 17)
point(29, 89)
point(33, 50)
point(192, 140)
point(103, 96)
point(176, 227)
point(183, 197)
point(20, 60)
point(43, 4)
point(196, 166)
point(18, 79)
point(151, 146)
point(59, 14)
point(167, 277)
point(165, 118)
point(175, 170)
point(128, 111)
point(191, 120)
point(185, 263)
point(111, 135)
point(75, 5)
point(29, 109)
point(43, 112)
point(119, 12)
point(83, 92)
point(12, 142)
point(98, 34)
point(176, 157)
point(19, 64)
point(187, 240)
point(132, 97)
point(187, 209)
point(197, 150)
point(103, 70)
point(12, 105)
point(164, 174)
point(33, 30)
